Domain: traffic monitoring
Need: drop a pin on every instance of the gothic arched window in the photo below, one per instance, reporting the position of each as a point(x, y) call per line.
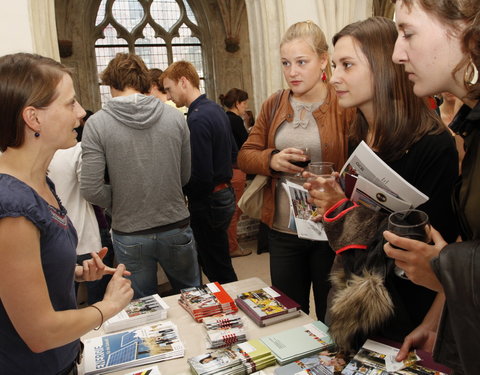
point(159, 31)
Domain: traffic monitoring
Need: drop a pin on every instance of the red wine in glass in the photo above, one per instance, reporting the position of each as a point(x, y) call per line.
point(413, 224)
point(301, 164)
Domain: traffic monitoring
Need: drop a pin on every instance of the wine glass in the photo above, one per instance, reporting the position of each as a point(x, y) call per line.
point(412, 224)
point(323, 169)
point(300, 163)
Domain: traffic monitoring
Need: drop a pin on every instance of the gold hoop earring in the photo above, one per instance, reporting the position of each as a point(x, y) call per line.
point(471, 74)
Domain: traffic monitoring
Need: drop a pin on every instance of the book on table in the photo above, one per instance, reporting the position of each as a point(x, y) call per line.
point(255, 355)
point(222, 321)
point(206, 300)
point(378, 358)
point(130, 348)
point(267, 306)
point(224, 337)
point(243, 358)
point(223, 330)
point(138, 312)
point(218, 362)
point(298, 342)
point(326, 362)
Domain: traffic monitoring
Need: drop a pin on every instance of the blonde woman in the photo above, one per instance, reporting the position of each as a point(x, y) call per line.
point(307, 116)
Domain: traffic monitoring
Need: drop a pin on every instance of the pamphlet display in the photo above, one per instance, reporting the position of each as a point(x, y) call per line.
point(206, 300)
point(135, 347)
point(298, 342)
point(138, 312)
point(267, 306)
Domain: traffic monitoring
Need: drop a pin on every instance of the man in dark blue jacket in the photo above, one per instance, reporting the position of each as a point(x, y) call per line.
point(211, 199)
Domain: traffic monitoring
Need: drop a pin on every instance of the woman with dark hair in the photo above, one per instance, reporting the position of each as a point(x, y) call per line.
point(39, 320)
point(409, 137)
point(236, 102)
point(439, 46)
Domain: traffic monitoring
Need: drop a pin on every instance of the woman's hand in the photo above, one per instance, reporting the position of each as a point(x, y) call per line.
point(282, 161)
point(324, 193)
point(414, 257)
point(119, 291)
point(421, 338)
point(94, 268)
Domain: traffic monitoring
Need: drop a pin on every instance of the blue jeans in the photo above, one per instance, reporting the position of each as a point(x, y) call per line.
point(210, 218)
point(296, 265)
point(174, 250)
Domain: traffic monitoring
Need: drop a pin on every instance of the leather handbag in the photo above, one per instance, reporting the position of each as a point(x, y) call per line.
point(251, 201)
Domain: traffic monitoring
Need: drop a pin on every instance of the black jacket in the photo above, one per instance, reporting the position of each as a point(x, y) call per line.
point(458, 339)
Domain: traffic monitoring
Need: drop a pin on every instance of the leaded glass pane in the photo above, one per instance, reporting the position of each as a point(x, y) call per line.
point(189, 53)
point(154, 57)
point(101, 13)
point(190, 14)
point(128, 13)
point(105, 94)
point(165, 12)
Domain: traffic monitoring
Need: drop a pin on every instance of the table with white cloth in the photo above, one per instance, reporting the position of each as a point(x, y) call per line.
point(192, 333)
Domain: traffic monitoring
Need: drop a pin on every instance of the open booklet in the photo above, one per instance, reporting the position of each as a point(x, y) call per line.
point(377, 358)
point(368, 180)
point(301, 213)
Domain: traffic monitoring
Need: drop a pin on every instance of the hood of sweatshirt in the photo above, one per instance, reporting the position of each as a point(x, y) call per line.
point(136, 111)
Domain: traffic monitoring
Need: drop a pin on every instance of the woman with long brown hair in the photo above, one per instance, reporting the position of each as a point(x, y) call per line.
point(409, 137)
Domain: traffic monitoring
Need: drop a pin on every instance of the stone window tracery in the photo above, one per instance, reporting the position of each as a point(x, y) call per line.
point(159, 31)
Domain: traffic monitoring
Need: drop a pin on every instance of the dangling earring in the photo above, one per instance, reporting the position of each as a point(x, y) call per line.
point(37, 134)
point(324, 76)
point(471, 74)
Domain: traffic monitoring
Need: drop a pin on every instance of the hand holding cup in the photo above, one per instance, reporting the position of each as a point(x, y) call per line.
point(413, 224)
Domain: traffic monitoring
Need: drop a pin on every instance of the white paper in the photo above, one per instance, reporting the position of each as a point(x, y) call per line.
point(376, 198)
point(302, 212)
point(365, 163)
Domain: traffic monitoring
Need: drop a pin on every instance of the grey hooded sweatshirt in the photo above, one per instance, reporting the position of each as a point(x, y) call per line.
point(144, 145)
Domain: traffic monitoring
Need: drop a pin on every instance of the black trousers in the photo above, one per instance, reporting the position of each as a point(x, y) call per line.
point(296, 265)
point(209, 219)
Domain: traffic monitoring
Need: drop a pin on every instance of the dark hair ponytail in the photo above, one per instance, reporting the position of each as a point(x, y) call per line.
point(232, 97)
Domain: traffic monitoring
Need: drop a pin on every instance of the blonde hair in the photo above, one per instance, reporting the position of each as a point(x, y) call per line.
point(311, 33)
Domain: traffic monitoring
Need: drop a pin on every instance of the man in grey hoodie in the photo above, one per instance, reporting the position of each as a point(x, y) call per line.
point(143, 147)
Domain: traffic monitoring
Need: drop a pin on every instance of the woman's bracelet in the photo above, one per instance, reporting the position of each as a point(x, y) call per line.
point(101, 314)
